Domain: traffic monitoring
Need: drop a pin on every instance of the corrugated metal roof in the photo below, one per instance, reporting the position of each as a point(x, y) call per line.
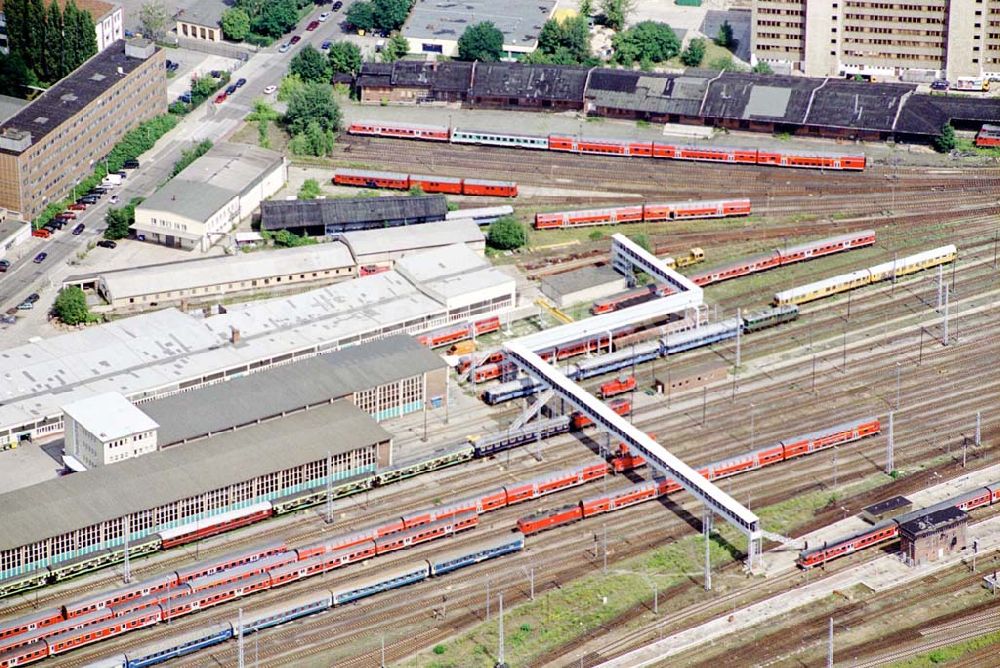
point(289, 387)
point(283, 214)
point(82, 499)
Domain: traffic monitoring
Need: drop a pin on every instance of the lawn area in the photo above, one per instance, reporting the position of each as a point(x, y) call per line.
point(559, 616)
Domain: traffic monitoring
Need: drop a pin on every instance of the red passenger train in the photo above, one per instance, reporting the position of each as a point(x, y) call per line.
point(988, 137)
point(449, 185)
point(640, 148)
point(648, 213)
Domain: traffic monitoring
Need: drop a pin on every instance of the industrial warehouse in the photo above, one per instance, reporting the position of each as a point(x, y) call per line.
point(161, 353)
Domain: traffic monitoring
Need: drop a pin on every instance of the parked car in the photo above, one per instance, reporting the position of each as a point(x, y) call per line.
point(241, 82)
point(78, 230)
point(78, 207)
point(284, 47)
point(312, 25)
point(42, 233)
point(325, 45)
point(107, 243)
point(113, 199)
point(269, 89)
point(68, 215)
point(122, 173)
point(220, 98)
point(295, 39)
point(940, 84)
point(8, 319)
point(40, 258)
point(337, 5)
point(132, 163)
point(230, 89)
point(216, 74)
point(324, 16)
point(185, 97)
point(12, 310)
point(33, 298)
point(4, 265)
point(88, 199)
point(25, 306)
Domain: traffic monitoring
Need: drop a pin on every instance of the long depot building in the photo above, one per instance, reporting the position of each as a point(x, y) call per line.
point(165, 352)
point(55, 523)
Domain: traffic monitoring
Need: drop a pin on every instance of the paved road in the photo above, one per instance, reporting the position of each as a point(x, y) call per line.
point(210, 121)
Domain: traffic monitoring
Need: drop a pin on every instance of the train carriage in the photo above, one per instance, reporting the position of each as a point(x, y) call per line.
point(212, 526)
point(835, 244)
point(399, 130)
point(448, 185)
point(68, 640)
point(485, 138)
point(476, 553)
point(238, 573)
point(44, 632)
point(30, 580)
point(441, 458)
point(317, 495)
point(114, 598)
point(713, 154)
point(229, 560)
point(371, 179)
point(19, 656)
point(668, 151)
point(546, 519)
point(484, 188)
point(384, 581)
point(426, 532)
point(178, 645)
point(717, 209)
point(28, 623)
point(988, 136)
point(159, 598)
point(282, 613)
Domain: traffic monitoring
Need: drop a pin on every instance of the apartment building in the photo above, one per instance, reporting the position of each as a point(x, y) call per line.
point(58, 139)
point(109, 22)
point(915, 39)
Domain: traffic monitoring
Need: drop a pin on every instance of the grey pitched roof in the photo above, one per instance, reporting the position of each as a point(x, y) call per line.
point(846, 104)
point(281, 389)
point(536, 82)
point(75, 501)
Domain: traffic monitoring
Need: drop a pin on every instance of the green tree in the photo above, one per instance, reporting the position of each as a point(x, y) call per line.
point(361, 15)
point(482, 41)
point(310, 65)
point(53, 69)
point(202, 89)
point(390, 15)
point(506, 233)
point(313, 102)
point(586, 8)
point(189, 155)
point(14, 74)
point(290, 83)
point(235, 24)
point(567, 42)
point(72, 43)
point(286, 239)
point(253, 8)
point(945, 142)
point(694, 53)
point(345, 58)
point(71, 306)
point(310, 189)
point(153, 19)
point(762, 68)
point(725, 62)
point(724, 38)
point(15, 14)
point(550, 37)
point(34, 51)
point(648, 40)
point(84, 36)
point(616, 12)
point(397, 47)
point(276, 18)
point(118, 221)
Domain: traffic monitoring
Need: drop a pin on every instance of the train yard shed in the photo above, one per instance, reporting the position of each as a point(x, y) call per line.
point(73, 516)
point(385, 378)
point(318, 217)
point(382, 247)
point(164, 352)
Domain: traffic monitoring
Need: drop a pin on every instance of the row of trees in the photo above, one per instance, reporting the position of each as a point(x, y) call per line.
point(384, 15)
point(267, 19)
point(564, 43)
point(45, 44)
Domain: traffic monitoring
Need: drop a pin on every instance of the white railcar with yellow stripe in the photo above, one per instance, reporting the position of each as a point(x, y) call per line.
point(860, 278)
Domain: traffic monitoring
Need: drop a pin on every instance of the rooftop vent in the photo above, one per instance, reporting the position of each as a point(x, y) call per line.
point(42, 120)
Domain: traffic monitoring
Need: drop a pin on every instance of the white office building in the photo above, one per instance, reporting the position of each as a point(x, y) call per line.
point(105, 429)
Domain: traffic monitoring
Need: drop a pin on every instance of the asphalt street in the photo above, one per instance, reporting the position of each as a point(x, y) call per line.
point(210, 121)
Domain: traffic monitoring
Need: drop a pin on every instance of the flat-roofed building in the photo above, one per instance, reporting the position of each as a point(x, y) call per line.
point(55, 141)
point(457, 277)
point(105, 429)
point(213, 278)
point(74, 516)
point(386, 378)
point(13, 231)
point(435, 27)
point(202, 204)
point(376, 250)
point(582, 285)
point(933, 38)
point(165, 352)
point(934, 535)
point(109, 24)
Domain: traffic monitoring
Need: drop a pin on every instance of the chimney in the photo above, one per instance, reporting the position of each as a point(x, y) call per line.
point(234, 335)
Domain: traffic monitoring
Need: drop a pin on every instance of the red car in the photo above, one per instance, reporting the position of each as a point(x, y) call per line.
point(220, 98)
point(295, 39)
point(78, 207)
point(69, 215)
point(313, 25)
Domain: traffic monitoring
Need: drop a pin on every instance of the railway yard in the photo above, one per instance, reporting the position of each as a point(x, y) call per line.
point(911, 354)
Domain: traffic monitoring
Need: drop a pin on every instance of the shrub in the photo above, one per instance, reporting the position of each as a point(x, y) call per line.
point(71, 306)
point(506, 234)
point(439, 649)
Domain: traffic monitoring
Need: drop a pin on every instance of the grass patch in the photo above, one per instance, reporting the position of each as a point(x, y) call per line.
point(964, 145)
point(944, 655)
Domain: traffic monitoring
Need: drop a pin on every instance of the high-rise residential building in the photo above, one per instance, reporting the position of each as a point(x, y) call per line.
point(917, 39)
point(57, 140)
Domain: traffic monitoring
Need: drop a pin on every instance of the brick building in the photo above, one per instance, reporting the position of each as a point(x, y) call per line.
point(933, 536)
point(54, 142)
